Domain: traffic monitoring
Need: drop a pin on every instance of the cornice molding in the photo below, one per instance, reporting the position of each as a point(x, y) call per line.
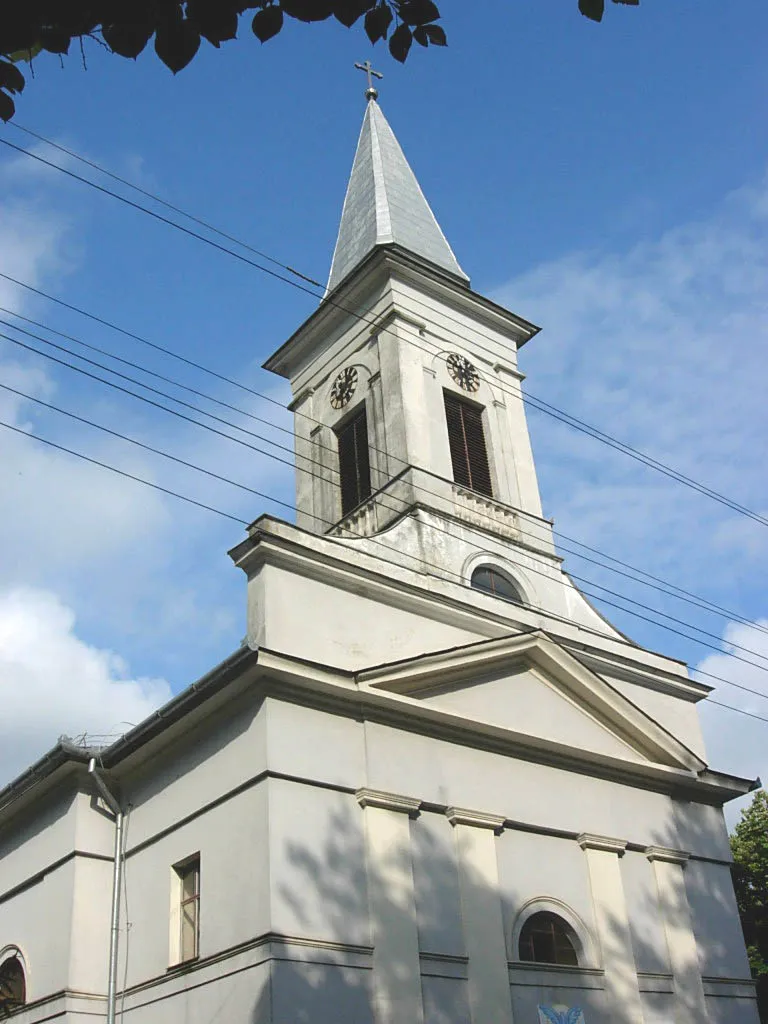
point(667, 855)
point(590, 841)
point(477, 819)
point(388, 801)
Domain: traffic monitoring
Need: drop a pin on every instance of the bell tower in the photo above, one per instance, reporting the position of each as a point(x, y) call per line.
point(406, 391)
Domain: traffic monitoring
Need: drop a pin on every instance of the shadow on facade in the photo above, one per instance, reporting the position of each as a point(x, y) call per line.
point(323, 973)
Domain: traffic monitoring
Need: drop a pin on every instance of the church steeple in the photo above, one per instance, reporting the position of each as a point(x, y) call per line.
point(385, 205)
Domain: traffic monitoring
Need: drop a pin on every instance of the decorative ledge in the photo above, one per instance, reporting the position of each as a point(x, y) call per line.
point(667, 855)
point(588, 841)
point(388, 801)
point(462, 816)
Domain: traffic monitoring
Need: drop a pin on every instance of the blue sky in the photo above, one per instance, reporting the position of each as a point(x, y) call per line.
point(608, 182)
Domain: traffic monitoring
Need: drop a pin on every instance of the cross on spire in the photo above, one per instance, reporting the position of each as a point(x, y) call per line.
point(371, 93)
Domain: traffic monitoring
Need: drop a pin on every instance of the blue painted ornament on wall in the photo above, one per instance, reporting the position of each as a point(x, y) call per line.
point(561, 1015)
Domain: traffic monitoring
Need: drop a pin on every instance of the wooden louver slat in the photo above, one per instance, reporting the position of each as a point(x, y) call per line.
point(354, 464)
point(467, 443)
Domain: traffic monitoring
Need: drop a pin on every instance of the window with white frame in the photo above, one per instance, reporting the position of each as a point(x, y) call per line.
point(185, 910)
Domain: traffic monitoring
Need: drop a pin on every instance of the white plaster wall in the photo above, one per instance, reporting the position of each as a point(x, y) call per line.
point(315, 744)
point(648, 940)
point(38, 837)
point(680, 717)
point(317, 864)
point(231, 839)
point(320, 994)
point(536, 867)
point(451, 774)
point(39, 921)
point(525, 701)
point(222, 751)
point(445, 1000)
point(237, 994)
point(715, 920)
point(91, 905)
point(344, 628)
point(436, 879)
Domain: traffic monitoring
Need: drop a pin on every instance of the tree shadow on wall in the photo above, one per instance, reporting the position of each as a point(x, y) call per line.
point(321, 971)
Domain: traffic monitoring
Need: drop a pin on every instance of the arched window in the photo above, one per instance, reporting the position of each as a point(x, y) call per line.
point(13, 986)
point(495, 582)
point(545, 938)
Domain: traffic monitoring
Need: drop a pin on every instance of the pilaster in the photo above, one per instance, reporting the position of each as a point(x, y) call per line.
point(490, 1000)
point(668, 867)
point(392, 900)
point(613, 932)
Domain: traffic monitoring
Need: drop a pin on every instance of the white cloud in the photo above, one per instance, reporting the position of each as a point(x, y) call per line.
point(736, 743)
point(663, 347)
point(54, 683)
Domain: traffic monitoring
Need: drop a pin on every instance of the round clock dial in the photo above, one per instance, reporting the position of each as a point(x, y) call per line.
point(343, 387)
point(463, 372)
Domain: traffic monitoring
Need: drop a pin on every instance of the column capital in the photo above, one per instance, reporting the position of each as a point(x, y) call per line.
point(589, 841)
point(479, 819)
point(667, 854)
point(388, 801)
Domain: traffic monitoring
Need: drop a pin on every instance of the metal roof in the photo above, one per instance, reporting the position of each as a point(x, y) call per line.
point(385, 204)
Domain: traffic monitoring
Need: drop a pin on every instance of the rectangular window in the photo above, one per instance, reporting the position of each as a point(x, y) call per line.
point(467, 441)
point(188, 890)
point(354, 465)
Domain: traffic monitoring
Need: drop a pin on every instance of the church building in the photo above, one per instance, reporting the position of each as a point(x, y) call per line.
point(433, 785)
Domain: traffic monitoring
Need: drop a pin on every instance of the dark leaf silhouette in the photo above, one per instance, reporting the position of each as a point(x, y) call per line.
point(28, 27)
point(418, 12)
point(436, 35)
point(11, 78)
point(400, 43)
point(592, 9)
point(348, 11)
point(267, 23)
point(377, 22)
point(127, 39)
point(176, 43)
point(420, 35)
point(7, 107)
point(308, 10)
point(217, 24)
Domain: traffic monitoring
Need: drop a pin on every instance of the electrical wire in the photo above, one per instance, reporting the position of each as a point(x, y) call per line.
point(539, 404)
point(599, 597)
point(665, 587)
point(210, 508)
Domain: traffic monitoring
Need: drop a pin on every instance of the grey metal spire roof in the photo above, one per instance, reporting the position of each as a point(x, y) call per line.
point(385, 204)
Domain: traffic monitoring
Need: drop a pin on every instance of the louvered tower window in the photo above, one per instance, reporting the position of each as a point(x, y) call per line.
point(467, 440)
point(354, 465)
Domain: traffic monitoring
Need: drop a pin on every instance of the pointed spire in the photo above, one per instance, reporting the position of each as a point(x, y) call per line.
point(385, 204)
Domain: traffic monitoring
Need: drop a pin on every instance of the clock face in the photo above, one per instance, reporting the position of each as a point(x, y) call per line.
point(343, 387)
point(463, 372)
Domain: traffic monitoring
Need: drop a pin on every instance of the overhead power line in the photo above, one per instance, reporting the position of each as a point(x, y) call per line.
point(210, 508)
point(666, 588)
point(531, 400)
point(599, 597)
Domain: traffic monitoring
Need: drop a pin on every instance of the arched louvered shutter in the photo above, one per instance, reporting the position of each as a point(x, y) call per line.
point(467, 441)
point(354, 464)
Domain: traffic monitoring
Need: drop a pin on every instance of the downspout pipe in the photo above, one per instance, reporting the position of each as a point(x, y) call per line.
point(117, 875)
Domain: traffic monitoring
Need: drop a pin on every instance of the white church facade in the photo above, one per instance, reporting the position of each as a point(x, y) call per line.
point(435, 785)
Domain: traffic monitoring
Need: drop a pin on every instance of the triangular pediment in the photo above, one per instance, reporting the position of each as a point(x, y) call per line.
point(531, 685)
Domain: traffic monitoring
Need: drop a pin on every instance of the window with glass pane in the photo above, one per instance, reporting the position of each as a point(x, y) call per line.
point(485, 577)
point(189, 892)
point(545, 939)
point(354, 464)
point(13, 988)
point(466, 439)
